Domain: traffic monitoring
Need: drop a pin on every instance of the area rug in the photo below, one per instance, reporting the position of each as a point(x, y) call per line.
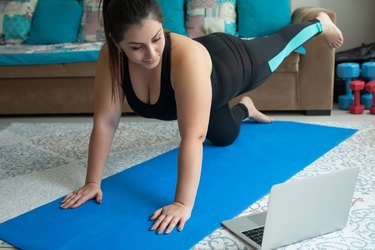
point(155, 138)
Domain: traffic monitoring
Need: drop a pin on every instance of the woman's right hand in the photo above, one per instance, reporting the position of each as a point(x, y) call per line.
point(78, 197)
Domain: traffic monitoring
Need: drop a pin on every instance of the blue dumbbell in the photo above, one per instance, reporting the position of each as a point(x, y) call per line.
point(368, 72)
point(347, 71)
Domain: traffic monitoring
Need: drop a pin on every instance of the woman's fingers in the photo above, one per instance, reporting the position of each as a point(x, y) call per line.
point(99, 197)
point(82, 195)
point(67, 198)
point(79, 201)
point(168, 223)
point(168, 217)
point(156, 214)
point(172, 225)
point(71, 200)
point(181, 224)
point(165, 223)
point(158, 222)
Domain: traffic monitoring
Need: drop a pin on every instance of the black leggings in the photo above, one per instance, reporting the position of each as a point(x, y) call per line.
point(266, 54)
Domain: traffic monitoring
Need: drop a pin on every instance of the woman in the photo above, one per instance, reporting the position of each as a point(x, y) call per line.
point(168, 76)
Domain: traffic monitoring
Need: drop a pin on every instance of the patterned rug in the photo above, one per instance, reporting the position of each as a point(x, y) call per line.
point(42, 162)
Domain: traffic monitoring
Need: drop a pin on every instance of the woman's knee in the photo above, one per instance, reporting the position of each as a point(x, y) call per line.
point(223, 128)
point(223, 140)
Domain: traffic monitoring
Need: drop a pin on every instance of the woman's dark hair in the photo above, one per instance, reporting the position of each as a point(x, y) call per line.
point(118, 16)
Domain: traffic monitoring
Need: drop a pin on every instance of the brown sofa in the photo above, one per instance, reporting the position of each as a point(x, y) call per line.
point(302, 83)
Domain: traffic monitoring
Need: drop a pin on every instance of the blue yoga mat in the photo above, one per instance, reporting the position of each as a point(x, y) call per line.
point(232, 178)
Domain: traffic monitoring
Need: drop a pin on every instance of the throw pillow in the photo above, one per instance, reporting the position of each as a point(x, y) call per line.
point(55, 21)
point(92, 27)
point(2, 6)
point(208, 16)
point(260, 18)
point(17, 16)
point(173, 12)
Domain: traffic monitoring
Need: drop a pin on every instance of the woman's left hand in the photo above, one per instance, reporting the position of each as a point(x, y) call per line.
point(169, 216)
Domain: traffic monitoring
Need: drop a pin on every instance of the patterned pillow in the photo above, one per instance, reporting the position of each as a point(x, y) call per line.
point(92, 27)
point(208, 16)
point(17, 20)
point(2, 6)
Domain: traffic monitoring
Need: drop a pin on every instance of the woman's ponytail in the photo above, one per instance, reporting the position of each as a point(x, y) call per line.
point(118, 15)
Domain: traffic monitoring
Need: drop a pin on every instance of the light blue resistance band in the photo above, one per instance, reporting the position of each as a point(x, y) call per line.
point(296, 42)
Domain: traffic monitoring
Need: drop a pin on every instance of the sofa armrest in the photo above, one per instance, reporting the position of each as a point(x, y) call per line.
point(316, 68)
point(307, 13)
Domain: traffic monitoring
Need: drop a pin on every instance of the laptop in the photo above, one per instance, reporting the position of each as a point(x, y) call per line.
point(299, 210)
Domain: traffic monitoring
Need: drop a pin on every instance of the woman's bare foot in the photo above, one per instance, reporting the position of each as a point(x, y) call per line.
point(331, 32)
point(255, 114)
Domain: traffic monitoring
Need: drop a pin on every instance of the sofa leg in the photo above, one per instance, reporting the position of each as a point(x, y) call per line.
point(318, 112)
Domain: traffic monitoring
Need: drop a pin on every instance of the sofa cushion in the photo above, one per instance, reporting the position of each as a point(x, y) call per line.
point(260, 18)
point(55, 21)
point(92, 27)
point(205, 17)
point(23, 54)
point(174, 15)
point(17, 16)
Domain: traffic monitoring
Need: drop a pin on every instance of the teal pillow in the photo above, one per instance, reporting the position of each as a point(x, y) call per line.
point(55, 21)
point(15, 19)
point(174, 15)
point(261, 18)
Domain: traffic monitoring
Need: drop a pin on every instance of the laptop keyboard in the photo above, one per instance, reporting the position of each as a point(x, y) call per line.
point(255, 234)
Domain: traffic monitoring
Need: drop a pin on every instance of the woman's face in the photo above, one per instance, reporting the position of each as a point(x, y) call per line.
point(144, 43)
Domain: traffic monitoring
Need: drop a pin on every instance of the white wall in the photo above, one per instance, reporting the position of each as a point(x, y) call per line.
point(355, 18)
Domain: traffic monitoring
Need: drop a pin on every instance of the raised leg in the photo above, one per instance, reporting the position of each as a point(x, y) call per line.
point(269, 52)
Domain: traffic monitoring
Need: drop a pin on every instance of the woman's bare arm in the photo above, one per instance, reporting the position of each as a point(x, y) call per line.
point(191, 72)
point(193, 98)
point(107, 113)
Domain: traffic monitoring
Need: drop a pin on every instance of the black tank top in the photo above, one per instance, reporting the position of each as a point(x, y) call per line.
point(165, 107)
point(232, 74)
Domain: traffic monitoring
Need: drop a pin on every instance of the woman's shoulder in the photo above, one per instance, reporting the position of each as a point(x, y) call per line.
point(188, 57)
point(184, 47)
